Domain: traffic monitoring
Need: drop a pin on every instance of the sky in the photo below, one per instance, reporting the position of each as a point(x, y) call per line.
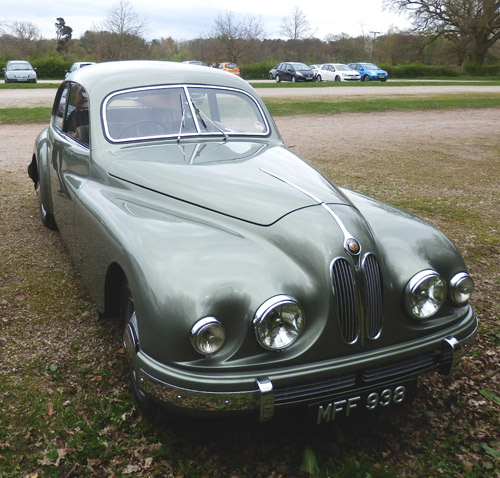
point(189, 19)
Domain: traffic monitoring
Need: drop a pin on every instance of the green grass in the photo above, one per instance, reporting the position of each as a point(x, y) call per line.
point(291, 106)
point(29, 86)
point(24, 115)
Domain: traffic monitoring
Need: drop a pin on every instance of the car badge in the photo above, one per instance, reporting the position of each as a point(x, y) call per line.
point(353, 246)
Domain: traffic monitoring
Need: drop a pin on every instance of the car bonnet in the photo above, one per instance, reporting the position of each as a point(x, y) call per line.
point(249, 181)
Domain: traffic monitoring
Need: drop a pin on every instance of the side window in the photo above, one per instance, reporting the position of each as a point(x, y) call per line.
point(76, 123)
point(60, 107)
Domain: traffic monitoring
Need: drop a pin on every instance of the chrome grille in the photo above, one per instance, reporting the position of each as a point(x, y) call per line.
point(344, 288)
point(372, 296)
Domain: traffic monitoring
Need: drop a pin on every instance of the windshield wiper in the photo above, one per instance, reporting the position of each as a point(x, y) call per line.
point(183, 119)
point(202, 117)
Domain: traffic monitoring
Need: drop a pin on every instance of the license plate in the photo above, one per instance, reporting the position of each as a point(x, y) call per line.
point(347, 405)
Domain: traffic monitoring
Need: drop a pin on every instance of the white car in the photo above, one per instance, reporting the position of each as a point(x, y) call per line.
point(77, 66)
point(336, 72)
point(19, 71)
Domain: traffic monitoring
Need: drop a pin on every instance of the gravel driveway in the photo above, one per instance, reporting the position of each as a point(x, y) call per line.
point(13, 98)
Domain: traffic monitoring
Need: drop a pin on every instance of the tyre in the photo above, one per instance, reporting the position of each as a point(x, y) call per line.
point(337, 78)
point(128, 322)
point(318, 78)
point(294, 79)
point(47, 219)
point(365, 78)
point(278, 79)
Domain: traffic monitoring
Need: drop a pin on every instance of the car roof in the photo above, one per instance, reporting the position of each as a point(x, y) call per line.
point(104, 78)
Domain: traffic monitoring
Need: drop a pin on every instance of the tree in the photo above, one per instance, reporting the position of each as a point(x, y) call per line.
point(63, 34)
point(123, 20)
point(295, 26)
point(236, 37)
point(472, 25)
point(122, 37)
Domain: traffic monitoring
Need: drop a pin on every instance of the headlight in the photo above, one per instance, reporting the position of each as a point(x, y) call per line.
point(207, 335)
point(461, 288)
point(425, 293)
point(278, 322)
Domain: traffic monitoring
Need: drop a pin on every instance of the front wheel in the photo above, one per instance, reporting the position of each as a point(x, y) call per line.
point(130, 343)
point(278, 78)
point(337, 78)
point(294, 79)
point(365, 78)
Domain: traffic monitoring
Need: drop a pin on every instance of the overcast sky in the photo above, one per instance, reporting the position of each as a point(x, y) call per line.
point(189, 19)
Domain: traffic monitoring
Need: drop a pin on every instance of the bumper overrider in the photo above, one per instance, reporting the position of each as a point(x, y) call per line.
point(265, 392)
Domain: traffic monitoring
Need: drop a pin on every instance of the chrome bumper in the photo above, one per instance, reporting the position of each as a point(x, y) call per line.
point(262, 398)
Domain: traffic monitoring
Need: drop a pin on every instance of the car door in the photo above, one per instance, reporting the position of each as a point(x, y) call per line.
point(69, 159)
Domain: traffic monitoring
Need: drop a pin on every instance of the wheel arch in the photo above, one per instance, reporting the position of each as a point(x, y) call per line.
point(115, 278)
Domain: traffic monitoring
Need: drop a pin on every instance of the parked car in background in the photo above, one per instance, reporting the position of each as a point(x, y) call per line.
point(229, 67)
point(272, 72)
point(369, 71)
point(193, 62)
point(336, 72)
point(19, 71)
point(77, 65)
point(294, 71)
point(245, 281)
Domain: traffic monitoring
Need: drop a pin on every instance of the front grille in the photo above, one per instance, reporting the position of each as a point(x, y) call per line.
point(413, 365)
point(317, 390)
point(347, 295)
point(373, 296)
point(345, 290)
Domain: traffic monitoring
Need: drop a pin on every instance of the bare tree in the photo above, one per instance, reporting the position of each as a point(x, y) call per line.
point(122, 20)
point(25, 31)
point(472, 25)
point(124, 27)
point(236, 36)
point(296, 26)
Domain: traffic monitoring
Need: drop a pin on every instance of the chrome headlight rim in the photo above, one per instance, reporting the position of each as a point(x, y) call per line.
point(207, 336)
point(264, 314)
point(425, 294)
point(461, 288)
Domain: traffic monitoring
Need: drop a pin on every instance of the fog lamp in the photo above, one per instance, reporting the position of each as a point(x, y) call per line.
point(461, 288)
point(207, 336)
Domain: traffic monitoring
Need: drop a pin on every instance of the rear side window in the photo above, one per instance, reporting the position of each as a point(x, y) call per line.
point(71, 112)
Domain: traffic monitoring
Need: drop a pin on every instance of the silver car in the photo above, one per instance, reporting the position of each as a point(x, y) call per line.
point(19, 71)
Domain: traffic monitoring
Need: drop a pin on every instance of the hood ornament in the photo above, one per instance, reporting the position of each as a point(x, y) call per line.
point(352, 246)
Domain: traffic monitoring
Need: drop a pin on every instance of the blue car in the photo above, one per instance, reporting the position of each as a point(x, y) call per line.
point(369, 71)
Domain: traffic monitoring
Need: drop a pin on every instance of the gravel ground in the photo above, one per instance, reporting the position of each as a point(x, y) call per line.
point(12, 98)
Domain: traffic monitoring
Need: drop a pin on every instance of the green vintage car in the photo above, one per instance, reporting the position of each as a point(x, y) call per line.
point(245, 280)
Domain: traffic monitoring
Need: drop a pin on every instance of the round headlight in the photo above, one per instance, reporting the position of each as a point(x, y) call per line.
point(425, 294)
point(207, 335)
point(278, 322)
point(461, 288)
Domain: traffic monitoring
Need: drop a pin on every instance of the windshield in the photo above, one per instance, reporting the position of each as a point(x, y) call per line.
point(24, 65)
point(342, 68)
point(370, 66)
point(181, 111)
point(300, 66)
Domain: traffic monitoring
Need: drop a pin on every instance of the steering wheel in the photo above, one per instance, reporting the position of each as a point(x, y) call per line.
point(135, 124)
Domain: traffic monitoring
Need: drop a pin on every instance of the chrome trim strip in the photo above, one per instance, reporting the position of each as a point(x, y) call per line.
point(347, 235)
point(198, 400)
